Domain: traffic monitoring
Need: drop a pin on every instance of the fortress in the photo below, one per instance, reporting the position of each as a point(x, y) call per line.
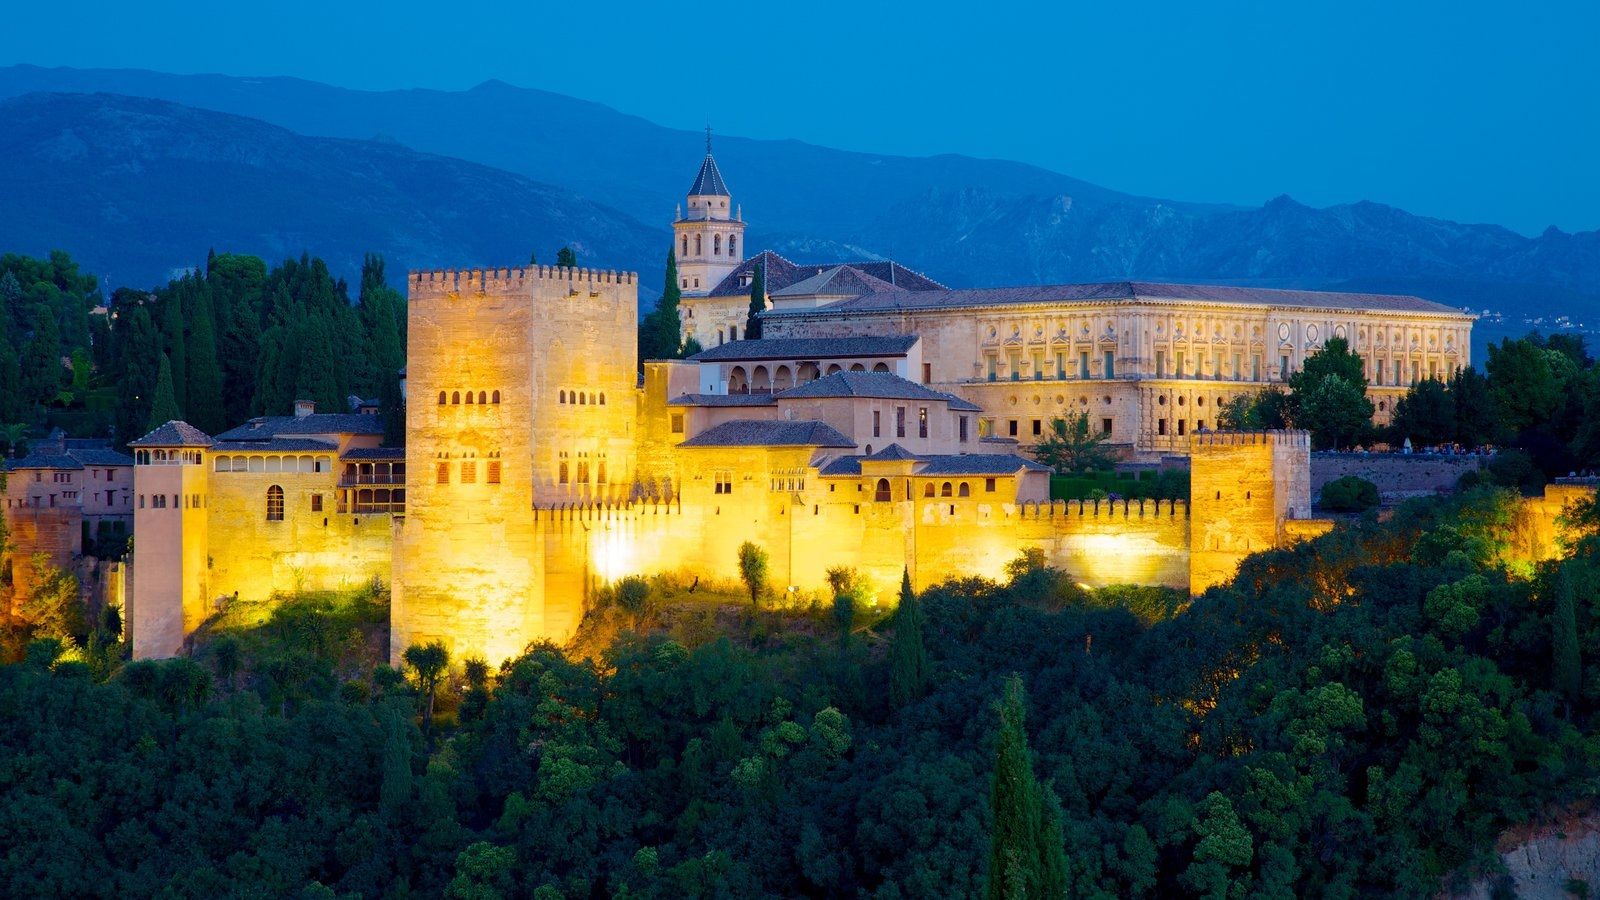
point(878, 425)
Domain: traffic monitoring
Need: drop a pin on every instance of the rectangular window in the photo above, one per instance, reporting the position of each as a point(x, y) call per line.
point(1416, 371)
point(1038, 367)
point(316, 503)
point(899, 421)
point(723, 483)
point(469, 471)
point(1083, 364)
point(1237, 369)
point(1105, 425)
point(1015, 362)
point(1161, 364)
point(988, 485)
point(1161, 426)
point(1183, 427)
point(677, 423)
point(1378, 371)
point(1111, 364)
point(494, 471)
point(1216, 370)
point(1199, 424)
point(877, 423)
point(927, 373)
point(992, 366)
point(922, 421)
point(1061, 365)
point(141, 501)
point(1177, 367)
point(444, 473)
point(1255, 368)
point(961, 425)
point(1283, 366)
point(1012, 425)
point(1038, 427)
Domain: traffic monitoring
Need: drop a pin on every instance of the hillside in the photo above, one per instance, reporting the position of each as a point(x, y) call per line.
point(134, 187)
point(968, 222)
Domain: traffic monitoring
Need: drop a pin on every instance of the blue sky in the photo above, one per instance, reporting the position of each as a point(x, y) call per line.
point(1480, 112)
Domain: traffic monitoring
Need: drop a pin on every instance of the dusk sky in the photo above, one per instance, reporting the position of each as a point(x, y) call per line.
point(1480, 112)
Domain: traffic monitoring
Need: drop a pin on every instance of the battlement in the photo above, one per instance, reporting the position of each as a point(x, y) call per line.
point(485, 281)
point(1106, 510)
point(1288, 437)
point(596, 511)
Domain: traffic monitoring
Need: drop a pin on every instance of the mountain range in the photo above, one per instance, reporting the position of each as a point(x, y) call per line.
point(140, 171)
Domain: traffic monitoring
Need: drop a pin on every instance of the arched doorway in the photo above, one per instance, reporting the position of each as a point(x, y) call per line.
point(760, 381)
point(737, 382)
point(782, 379)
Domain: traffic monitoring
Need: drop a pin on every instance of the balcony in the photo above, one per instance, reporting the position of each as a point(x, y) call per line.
point(352, 479)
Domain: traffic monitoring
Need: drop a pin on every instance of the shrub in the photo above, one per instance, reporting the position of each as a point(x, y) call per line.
point(1349, 494)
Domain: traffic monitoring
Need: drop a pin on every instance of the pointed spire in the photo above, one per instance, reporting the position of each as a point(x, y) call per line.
point(708, 138)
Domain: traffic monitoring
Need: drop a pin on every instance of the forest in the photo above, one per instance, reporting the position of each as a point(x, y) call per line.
point(1359, 715)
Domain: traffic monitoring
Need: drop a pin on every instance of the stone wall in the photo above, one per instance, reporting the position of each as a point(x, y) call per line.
point(1399, 476)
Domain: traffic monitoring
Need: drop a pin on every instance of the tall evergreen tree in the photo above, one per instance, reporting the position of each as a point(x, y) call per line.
point(1026, 855)
point(382, 309)
point(41, 359)
point(1567, 661)
point(758, 301)
point(908, 652)
point(669, 325)
point(138, 355)
point(175, 343)
point(163, 407)
point(237, 285)
point(11, 402)
point(205, 409)
point(566, 258)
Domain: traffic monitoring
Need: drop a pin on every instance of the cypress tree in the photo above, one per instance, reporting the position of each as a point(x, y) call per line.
point(205, 408)
point(237, 283)
point(163, 407)
point(11, 405)
point(138, 358)
point(1026, 855)
point(172, 333)
point(758, 301)
point(566, 258)
point(669, 325)
point(41, 359)
point(381, 310)
point(908, 655)
point(1567, 661)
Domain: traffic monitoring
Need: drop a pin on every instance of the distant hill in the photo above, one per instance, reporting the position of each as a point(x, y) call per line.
point(965, 221)
point(134, 187)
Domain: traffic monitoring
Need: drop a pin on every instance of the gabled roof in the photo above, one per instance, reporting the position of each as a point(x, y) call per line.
point(837, 281)
point(902, 298)
point(841, 466)
point(99, 456)
point(893, 453)
point(40, 461)
point(174, 434)
point(722, 400)
point(809, 348)
point(978, 464)
point(265, 428)
point(769, 433)
point(880, 385)
point(709, 181)
point(781, 273)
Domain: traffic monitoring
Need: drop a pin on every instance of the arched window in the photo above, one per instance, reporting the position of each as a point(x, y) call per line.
point(582, 400)
point(697, 246)
point(733, 245)
point(881, 367)
point(600, 472)
point(274, 504)
point(442, 398)
point(944, 489)
point(583, 471)
point(882, 494)
point(602, 398)
point(494, 397)
point(685, 246)
point(469, 398)
point(562, 478)
point(927, 490)
point(482, 397)
point(455, 398)
point(964, 490)
point(716, 245)
point(563, 396)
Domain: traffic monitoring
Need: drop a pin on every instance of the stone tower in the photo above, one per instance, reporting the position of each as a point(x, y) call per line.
point(1246, 489)
point(520, 392)
point(171, 593)
point(709, 236)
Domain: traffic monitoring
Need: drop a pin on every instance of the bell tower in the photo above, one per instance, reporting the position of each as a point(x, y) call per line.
point(709, 234)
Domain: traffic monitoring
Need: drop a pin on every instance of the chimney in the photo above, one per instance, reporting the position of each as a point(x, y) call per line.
point(303, 408)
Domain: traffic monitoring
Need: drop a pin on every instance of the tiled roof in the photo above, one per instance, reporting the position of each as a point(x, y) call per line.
point(722, 400)
point(268, 427)
point(809, 348)
point(883, 385)
point(99, 456)
point(837, 281)
point(374, 453)
point(174, 434)
point(782, 273)
point(841, 466)
point(1127, 290)
point(769, 433)
point(893, 453)
point(41, 461)
point(978, 464)
point(274, 445)
point(709, 181)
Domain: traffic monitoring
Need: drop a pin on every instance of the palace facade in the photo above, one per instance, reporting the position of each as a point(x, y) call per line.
point(881, 423)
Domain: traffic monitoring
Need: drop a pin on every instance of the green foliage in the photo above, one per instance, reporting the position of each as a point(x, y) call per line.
point(633, 595)
point(908, 651)
point(428, 663)
point(1350, 493)
point(1026, 857)
point(1566, 669)
point(758, 301)
point(753, 570)
point(1426, 414)
point(1146, 484)
point(567, 258)
point(164, 406)
point(1328, 396)
point(53, 608)
point(660, 330)
point(1070, 445)
point(1265, 409)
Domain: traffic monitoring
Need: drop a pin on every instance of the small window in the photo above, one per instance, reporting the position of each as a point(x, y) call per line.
point(274, 504)
point(1105, 425)
point(482, 398)
point(877, 423)
point(583, 400)
point(722, 482)
point(677, 423)
point(922, 421)
point(988, 485)
point(900, 421)
point(600, 472)
point(442, 398)
point(1038, 427)
point(1012, 427)
point(316, 503)
point(602, 398)
point(962, 428)
point(493, 476)
point(455, 398)
point(469, 398)
point(563, 397)
point(469, 471)
point(927, 489)
point(562, 477)
point(444, 473)
point(964, 490)
point(494, 397)
point(882, 494)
